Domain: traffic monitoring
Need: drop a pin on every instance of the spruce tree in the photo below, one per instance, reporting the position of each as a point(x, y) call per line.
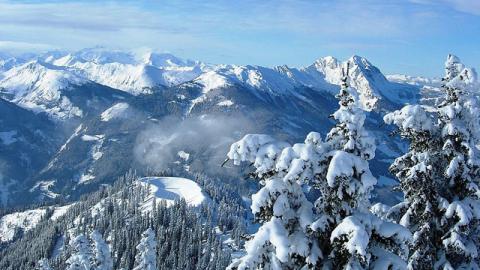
point(348, 234)
point(147, 252)
point(101, 251)
point(81, 257)
point(280, 206)
point(458, 118)
point(418, 212)
point(43, 265)
point(342, 233)
point(439, 175)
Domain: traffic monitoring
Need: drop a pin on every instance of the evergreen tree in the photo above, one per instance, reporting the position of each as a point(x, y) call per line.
point(43, 265)
point(351, 236)
point(280, 206)
point(418, 212)
point(458, 118)
point(344, 234)
point(439, 175)
point(147, 252)
point(101, 251)
point(81, 257)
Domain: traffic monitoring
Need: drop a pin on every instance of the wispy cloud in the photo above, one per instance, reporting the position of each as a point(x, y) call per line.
point(18, 46)
point(91, 16)
point(264, 32)
point(466, 6)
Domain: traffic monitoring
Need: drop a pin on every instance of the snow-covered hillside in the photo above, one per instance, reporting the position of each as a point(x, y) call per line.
point(135, 73)
point(36, 86)
point(14, 223)
point(170, 189)
point(324, 74)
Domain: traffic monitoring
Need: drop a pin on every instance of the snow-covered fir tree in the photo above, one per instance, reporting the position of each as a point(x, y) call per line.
point(89, 252)
point(146, 252)
point(280, 206)
point(458, 119)
point(342, 233)
point(349, 235)
point(439, 175)
point(101, 251)
point(415, 172)
point(82, 255)
point(43, 265)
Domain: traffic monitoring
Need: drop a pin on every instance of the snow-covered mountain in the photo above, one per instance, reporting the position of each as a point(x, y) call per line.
point(133, 73)
point(324, 74)
point(414, 80)
point(105, 101)
point(37, 84)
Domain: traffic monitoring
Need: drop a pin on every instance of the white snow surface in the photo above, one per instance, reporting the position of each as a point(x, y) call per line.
point(170, 189)
point(60, 211)
point(225, 103)
point(116, 111)
point(410, 117)
point(26, 220)
point(38, 86)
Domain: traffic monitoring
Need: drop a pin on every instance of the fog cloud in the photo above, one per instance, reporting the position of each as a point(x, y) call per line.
point(206, 139)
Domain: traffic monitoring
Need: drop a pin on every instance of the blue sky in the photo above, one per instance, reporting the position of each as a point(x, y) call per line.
point(398, 36)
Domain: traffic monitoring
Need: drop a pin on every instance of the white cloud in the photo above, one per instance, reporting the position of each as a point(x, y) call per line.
point(465, 6)
point(19, 46)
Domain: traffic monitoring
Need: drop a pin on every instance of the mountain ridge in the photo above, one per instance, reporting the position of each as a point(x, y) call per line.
point(138, 74)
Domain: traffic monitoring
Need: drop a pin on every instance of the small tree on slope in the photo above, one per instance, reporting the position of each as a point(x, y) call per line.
point(81, 257)
point(43, 265)
point(90, 253)
point(439, 176)
point(146, 258)
point(101, 251)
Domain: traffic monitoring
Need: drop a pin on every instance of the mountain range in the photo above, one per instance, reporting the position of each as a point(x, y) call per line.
point(72, 121)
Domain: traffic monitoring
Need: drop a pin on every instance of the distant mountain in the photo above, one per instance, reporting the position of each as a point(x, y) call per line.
point(109, 111)
point(36, 84)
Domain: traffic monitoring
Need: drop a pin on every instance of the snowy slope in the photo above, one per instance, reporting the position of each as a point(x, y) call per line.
point(127, 71)
point(37, 86)
point(13, 223)
point(116, 111)
point(170, 189)
point(324, 74)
